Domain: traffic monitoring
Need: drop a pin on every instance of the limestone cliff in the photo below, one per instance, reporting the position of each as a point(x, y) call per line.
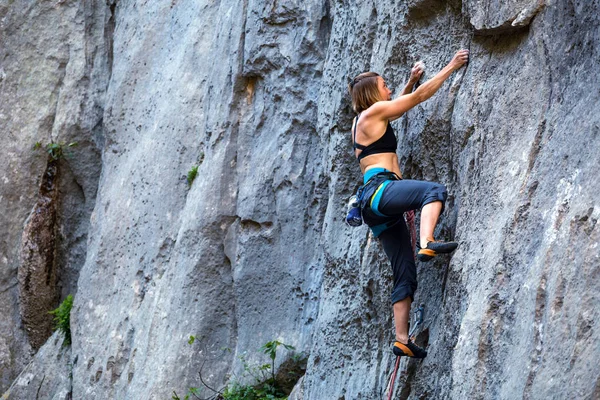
point(254, 94)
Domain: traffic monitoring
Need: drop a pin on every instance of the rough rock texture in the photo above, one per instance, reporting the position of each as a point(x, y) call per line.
point(37, 270)
point(47, 376)
point(53, 73)
point(491, 17)
point(254, 93)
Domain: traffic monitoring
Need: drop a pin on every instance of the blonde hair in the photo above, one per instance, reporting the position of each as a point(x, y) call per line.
point(364, 91)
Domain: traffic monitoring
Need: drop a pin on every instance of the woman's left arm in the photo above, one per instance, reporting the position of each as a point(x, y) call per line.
point(415, 75)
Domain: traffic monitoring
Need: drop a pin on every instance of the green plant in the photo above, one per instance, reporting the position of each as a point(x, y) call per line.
point(56, 150)
point(270, 348)
point(192, 392)
point(266, 386)
point(247, 392)
point(62, 318)
point(191, 175)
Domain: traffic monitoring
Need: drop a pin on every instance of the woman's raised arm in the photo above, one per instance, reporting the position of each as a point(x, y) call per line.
point(415, 74)
point(395, 108)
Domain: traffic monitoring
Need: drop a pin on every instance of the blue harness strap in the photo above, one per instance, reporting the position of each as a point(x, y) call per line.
point(376, 198)
point(372, 172)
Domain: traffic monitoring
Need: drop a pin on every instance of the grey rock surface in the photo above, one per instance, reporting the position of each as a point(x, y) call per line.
point(254, 94)
point(493, 17)
point(47, 376)
point(53, 74)
point(298, 392)
point(38, 270)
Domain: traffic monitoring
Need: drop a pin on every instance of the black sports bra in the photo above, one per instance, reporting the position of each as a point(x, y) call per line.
point(387, 143)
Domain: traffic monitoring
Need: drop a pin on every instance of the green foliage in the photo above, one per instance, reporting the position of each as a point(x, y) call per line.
point(270, 348)
point(192, 392)
point(62, 318)
point(191, 175)
point(264, 391)
point(56, 150)
point(265, 387)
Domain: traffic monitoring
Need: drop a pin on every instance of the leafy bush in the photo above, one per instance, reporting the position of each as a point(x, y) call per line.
point(62, 318)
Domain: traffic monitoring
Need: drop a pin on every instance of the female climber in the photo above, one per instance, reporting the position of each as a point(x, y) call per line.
point(386, 196)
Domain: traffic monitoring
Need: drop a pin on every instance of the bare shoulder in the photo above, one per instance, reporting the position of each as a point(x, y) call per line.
point(379, 111)
point(372, 121)
point(376, 114)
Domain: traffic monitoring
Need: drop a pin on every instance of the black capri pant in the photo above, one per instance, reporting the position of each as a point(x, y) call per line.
point(389, 206)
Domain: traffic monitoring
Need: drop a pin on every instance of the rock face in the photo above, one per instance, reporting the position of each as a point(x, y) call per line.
point(254, 94)
point(489, 18)
point(53, 75)
point(47, 376)
point(37, 270)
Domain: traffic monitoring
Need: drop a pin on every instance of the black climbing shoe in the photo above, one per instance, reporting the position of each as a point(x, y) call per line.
point(434, 248)
point(408, 350)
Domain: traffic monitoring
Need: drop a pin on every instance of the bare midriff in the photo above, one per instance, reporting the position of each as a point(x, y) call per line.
point(388, 161)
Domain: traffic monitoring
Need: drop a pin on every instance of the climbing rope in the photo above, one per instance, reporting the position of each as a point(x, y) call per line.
point(392, 380)
point(409, 216)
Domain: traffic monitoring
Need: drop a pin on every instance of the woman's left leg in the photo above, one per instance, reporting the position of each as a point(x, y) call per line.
point(401, 316)
point(398, 247)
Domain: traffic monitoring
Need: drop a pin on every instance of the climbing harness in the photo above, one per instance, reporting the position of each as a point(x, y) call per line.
point(418, 321)
point(364, 197)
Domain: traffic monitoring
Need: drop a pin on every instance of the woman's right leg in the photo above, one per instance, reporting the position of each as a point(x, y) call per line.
point(429, 217)
point(404, 195)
